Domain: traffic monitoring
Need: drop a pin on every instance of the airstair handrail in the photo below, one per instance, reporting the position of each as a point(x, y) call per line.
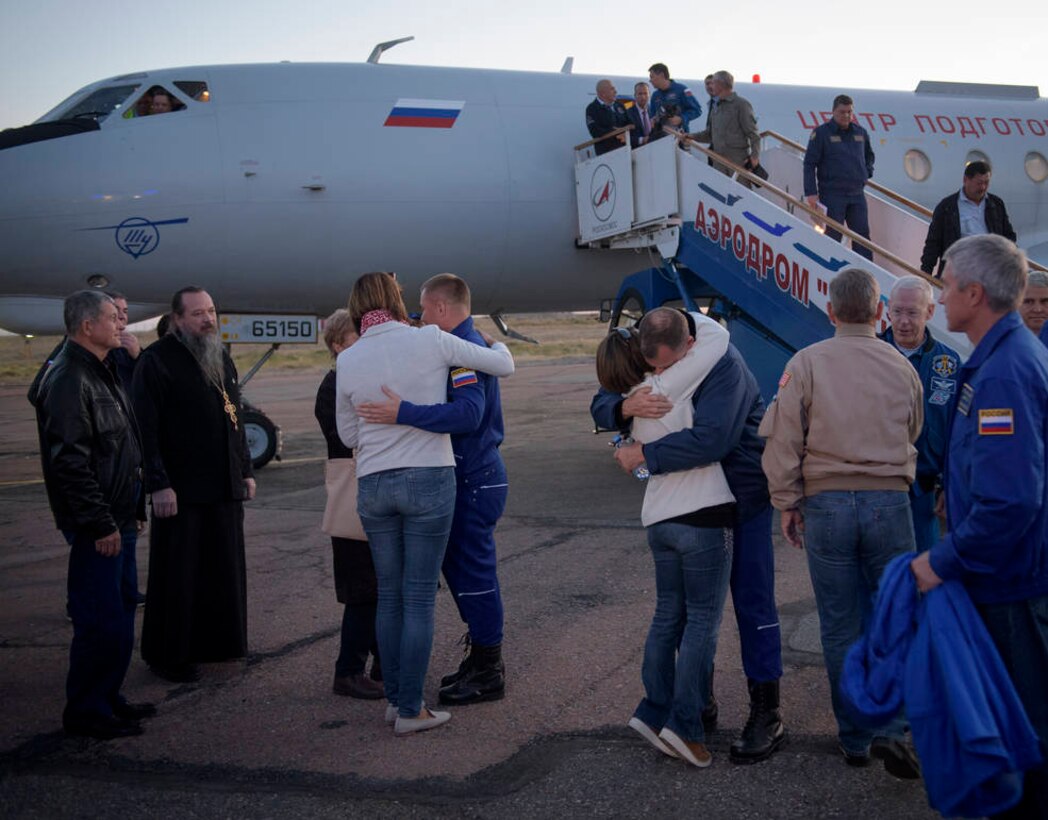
point(804, 206)
point(607, 136)
point(888, 192)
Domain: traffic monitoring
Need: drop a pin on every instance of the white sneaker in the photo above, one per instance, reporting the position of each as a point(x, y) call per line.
point(646, 732)
point(408, 726)
point(391, 714)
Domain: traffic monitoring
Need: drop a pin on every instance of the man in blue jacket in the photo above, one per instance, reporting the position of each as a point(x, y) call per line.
point(727, 411)
point(910, 307)
point(997, 476)
point(837, 164)
point(473, 417)
point(672, 104)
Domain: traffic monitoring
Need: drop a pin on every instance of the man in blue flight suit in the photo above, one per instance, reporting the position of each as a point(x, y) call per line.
point(727, 411)
point(604, 115)
point(672, 104)
point(837, 164)
point(997, 477)
point(910, 307)
point(473, 417)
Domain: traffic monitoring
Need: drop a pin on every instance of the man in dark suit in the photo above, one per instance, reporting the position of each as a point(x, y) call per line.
point(639, 116)
point(604, 115)
point(971, 211)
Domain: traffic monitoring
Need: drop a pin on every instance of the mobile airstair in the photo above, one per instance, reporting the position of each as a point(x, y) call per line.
point(757, 258)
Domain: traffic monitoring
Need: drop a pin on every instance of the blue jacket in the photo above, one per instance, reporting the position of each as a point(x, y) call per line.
point(680, 95)
point(1043, 335)
point(937, 365)
point(472, 415)
point(728, 411)
point(839, 159)
point(934, 657)
point(997, 470)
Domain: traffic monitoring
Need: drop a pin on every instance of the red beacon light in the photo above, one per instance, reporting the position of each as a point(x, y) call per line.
point(756, 78)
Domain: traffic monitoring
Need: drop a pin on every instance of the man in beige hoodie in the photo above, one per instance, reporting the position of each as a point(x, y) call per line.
point(839, 459)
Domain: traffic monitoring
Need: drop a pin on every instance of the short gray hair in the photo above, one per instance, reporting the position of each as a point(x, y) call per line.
point(854, 294)
point(995, 263)
point(81, 306)
point(724, 78)
point(911, 282)
point(1037, 279)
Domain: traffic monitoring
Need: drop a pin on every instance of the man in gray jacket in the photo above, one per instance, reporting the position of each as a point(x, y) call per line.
point(731, 128)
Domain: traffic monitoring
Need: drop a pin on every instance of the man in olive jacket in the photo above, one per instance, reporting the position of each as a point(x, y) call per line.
point(731, 128)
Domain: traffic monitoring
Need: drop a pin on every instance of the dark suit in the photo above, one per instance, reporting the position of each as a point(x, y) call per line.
point(945, 228)
point(602, 119)
point(638, 136)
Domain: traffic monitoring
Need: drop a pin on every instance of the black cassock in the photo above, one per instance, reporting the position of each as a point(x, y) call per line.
point(196, 598)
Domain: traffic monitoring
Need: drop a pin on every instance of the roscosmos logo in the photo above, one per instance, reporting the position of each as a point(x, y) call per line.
point(602, 193)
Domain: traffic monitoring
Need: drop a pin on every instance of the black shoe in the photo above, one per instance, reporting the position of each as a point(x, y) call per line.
point(764, 733)
point(464, 666)
point(140, 599)
point(180, 673)
point(100, 727)
point(857, 760)
point(133, 711)
point(485, 678)
point(358, 686)
point(899, 758)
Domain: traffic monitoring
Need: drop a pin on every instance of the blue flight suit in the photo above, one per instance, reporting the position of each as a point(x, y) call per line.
point(679, 95)
point(728, 411)
point(837, 163)
point(937, 365)
point(473, 417)
point(997, 511)
point(1043, 335)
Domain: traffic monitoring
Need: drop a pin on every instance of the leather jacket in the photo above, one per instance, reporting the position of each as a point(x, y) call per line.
point(89, 444)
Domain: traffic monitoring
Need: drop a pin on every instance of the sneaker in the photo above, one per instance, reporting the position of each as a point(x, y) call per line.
point(689, 751)
point(649, 734)
point(857, 760)
point(426, 720)
point(899, 757)
point(391, 713)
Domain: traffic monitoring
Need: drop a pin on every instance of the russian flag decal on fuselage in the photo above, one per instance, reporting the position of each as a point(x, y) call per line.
point(425, 113)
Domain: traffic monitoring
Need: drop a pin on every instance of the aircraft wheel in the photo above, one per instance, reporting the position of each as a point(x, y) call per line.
point(628, 311)
point(262, 437)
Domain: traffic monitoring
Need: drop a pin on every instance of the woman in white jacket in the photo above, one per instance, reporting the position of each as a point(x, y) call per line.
point(406, 492)
point(688, 516)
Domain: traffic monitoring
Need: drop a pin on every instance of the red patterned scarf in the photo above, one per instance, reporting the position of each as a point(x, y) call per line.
point(375, 317)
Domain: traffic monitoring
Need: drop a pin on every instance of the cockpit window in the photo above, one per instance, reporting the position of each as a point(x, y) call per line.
point(194, 90)
point(99, 104)
point(156, 100)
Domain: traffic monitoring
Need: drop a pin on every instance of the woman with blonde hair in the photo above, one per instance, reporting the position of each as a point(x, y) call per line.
point(406, 477)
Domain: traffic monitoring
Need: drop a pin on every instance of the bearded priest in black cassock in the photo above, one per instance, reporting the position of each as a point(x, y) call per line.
point(198, 474)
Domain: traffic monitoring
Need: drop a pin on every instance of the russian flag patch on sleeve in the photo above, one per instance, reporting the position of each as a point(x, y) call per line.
point(462, 377)
point(997, 422)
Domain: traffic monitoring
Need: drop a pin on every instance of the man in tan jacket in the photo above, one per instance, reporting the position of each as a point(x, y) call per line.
point(731, 128)
point(839, 459)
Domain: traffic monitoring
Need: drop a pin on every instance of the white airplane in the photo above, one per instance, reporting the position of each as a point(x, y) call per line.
point(275, 186)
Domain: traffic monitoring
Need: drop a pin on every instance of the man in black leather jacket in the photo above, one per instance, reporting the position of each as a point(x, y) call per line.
point(92, 464)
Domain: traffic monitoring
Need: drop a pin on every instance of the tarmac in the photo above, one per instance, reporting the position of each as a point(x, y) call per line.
point(265, 737)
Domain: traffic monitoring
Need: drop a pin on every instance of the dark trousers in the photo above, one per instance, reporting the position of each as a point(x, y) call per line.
point(850, 211)
point(356, 587)
point(470, 564)
point(753, 597)
point(1020, 632)
point(101, 596)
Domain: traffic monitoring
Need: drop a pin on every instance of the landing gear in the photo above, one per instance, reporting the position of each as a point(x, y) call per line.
point(264, 439)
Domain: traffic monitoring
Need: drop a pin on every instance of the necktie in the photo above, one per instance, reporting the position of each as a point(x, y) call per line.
point(645, 123)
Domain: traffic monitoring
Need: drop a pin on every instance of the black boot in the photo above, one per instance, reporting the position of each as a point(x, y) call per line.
point(764, 733)
point(464, 665)
point(484, 678)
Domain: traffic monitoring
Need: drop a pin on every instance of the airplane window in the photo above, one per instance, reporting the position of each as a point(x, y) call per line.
point(918, 166)
point(1036, 167)
point(194, 90)
point(977, 156)
point(157, 100)
point(99, 104)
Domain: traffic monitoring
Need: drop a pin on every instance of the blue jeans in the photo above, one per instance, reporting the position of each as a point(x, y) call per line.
point(102, 595)
point(692, 568)
point(406, 514)
point(1020, 632)
point(850, 537)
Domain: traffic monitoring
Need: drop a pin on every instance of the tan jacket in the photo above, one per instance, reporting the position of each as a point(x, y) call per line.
point(847, 414)
point(732, 129)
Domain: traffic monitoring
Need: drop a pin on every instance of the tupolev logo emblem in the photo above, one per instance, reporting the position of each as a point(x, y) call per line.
point(137, 236)
point(602, 193)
